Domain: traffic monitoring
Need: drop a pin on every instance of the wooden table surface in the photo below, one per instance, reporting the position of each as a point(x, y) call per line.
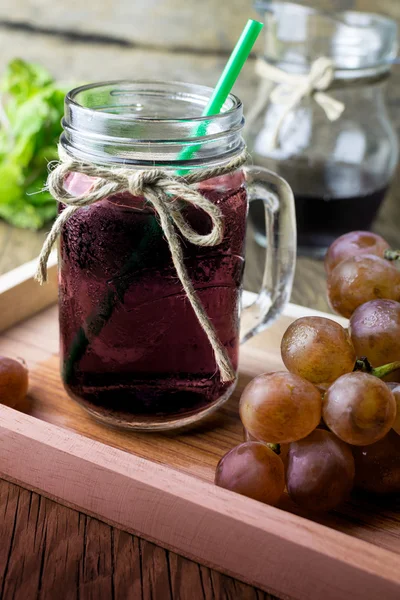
point(48, 551)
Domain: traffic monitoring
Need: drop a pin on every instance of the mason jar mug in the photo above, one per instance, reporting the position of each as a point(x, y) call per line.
point(133, 352)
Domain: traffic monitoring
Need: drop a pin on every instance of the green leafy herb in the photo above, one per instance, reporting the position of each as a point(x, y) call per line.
point(31, 108)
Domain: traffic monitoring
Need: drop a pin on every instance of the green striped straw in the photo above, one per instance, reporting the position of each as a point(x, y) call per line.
point(225, 83)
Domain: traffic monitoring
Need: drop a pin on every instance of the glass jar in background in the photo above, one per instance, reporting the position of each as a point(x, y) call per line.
point(133, 353)
point(340, 169)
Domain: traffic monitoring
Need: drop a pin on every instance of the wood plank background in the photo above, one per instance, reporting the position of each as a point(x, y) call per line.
point(170, 39)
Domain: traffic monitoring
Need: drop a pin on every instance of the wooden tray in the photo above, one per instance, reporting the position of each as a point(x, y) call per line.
point(160, 486)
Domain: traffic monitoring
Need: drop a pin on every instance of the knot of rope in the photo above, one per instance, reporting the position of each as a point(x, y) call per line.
point(292, 88)
point(168, 194)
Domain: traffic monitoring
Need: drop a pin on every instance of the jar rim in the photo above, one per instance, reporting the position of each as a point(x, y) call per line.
point(236, 103)
point(150, 123)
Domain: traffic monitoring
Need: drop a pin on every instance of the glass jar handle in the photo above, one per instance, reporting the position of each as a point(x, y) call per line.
point(280, 258)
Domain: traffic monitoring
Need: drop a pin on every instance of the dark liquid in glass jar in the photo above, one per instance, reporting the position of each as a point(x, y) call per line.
point(130, 341)
point(321, 218)
point(320, 221)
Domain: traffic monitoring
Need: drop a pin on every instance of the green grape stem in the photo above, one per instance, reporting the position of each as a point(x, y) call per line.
point(386, 369)
point(275, 448)
point(363, 364)
point(392, 254)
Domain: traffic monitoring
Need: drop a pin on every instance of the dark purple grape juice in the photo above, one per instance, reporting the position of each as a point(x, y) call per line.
point(321, 220)
point(330, 200)
point(132, 348)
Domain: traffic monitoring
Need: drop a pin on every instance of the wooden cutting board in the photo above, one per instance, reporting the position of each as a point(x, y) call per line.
point(161, 486)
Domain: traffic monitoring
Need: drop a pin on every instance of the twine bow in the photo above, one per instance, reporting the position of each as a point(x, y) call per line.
point(293, 88)
point(167, 194)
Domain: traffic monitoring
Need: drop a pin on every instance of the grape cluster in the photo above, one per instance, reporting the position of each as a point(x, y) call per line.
point(331, 421)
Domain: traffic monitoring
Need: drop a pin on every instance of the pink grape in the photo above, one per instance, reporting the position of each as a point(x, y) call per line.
point(320, 471)
point(354, 243)
point(359, 279)
point(359, 408)
point(14, 381)
point(395, 389)
point(318, 349)
point(378, 465)
point(253, 470)
point(280, 407)
point(375, 331)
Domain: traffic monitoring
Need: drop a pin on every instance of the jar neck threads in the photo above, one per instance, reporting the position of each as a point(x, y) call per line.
point(149, 124)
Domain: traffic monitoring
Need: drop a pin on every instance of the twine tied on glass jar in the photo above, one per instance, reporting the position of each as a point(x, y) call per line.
point(168, 194)
point(292, 88)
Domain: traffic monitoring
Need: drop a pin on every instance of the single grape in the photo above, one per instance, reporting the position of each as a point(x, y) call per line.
point(253, 470)
point(359, 279)
point(354, 244)
point(283, 448)
point(375, 331)
point(318, 349)
point(359, 408)
point(320, 471)
point(394, 387)
point(378, 465)
point(280, 407)
point(13, 381)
